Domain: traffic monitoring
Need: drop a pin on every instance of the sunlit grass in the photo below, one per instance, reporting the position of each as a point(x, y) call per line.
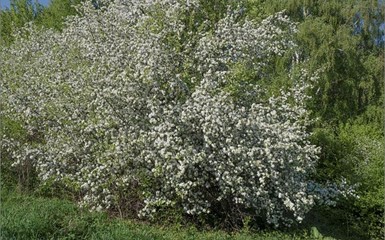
point(28, 217)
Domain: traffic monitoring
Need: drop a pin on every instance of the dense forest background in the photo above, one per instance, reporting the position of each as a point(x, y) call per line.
point(341, 41)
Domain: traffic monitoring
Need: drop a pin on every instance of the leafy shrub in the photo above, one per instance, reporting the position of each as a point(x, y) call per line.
point(133, 103)
point(368, 154)
point(355, 151)
point(23, 176)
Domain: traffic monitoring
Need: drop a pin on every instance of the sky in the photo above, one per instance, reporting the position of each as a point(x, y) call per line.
point(5, 3)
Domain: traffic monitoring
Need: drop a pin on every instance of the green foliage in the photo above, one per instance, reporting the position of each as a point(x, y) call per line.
point(23, 177)
point(355, 151)
point(331, 40)
point(54, 15)
point(368, 152)
point(323, 222)
point(23, 11)
point(20, 13)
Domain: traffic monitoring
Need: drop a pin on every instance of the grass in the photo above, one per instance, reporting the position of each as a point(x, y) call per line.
point(27, 217)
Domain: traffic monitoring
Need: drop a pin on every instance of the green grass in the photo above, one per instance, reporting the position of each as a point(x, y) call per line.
point(27, 217)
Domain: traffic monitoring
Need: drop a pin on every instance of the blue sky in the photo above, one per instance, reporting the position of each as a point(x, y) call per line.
point(5, 3)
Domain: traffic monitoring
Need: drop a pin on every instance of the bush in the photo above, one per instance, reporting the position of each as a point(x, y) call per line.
point(24, 175)
point(368, 154)
point(355, 151)
point(138, 103)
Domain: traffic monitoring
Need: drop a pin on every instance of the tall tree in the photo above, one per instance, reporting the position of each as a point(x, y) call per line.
point(24, 11)
point(19, 13)
point(344, 38)
point(54, 15)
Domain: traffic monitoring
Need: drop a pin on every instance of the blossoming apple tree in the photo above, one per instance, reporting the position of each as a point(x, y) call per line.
point(145, 96)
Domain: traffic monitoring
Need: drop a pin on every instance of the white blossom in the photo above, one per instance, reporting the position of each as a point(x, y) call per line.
point(129, 99)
